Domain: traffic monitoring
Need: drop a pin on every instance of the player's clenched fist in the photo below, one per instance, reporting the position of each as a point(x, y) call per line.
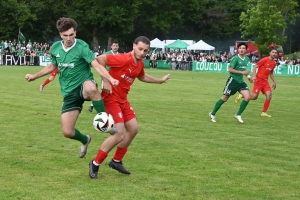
point(114, 82)
point(30, 77)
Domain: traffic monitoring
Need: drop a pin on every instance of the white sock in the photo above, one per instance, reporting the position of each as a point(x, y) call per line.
point(95, 163)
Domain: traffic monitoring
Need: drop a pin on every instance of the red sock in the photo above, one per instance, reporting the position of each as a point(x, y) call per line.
point(120, 153)
point(266, 105)
point(100, 157)
point(46, 82)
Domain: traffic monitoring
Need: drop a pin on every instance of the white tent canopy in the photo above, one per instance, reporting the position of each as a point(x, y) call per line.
point(156, 43)
point(201, 45)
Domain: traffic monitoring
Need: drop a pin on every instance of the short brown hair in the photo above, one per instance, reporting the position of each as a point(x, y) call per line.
point(142, 39)
point(64, 24)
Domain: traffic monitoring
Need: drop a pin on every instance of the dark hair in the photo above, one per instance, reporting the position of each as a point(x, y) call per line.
point(242, 43)
point(115, 42)
point(272, 48)
point(64, 24)
point(142, 39)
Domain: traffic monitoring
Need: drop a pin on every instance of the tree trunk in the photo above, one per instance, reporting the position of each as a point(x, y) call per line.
point(95, 40)
point(109, 43)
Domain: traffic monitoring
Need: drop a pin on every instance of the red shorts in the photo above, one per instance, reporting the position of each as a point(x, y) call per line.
point(261, 85)
point(121, 112)
point(55, 72)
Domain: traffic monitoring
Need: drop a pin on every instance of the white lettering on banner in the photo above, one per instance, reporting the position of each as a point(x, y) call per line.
point(206, 66)
point(15, 62)
point(277, 69)
point(216, 66)
point(227, 66)
point(44, 60)
point(292, 69)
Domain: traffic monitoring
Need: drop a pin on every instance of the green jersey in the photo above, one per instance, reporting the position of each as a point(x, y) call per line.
point(110, 52)
point(239, 64)
point(73, 64)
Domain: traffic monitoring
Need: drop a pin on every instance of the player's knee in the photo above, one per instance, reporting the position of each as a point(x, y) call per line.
point(119, 136)
point(253, 97)
point(91, 90)
point(225, 98)
point(67, 133)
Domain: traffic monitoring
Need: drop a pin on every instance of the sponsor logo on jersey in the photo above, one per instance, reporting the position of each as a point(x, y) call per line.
point(270, 69)
point(57, 56)
point(69, 65)
point(120, 115)
point(128, 79)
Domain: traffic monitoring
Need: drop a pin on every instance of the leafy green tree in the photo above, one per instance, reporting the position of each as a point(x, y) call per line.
point(265, 22)
point(13, 15)
point(101, 19)
point(214, 18)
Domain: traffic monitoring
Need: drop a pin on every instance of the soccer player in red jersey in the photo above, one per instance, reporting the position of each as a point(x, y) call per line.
point(125, 68)
point(265, 68)
point(261, 72)
point(48, 80)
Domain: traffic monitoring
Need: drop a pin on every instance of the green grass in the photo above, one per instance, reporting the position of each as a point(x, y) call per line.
point(178, 153)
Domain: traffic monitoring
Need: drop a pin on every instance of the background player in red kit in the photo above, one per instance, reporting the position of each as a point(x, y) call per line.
point(48, 80)
point(125, 68)
point(261, 72)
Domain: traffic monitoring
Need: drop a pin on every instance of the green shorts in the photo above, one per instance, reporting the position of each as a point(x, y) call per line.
point(74, 100)
point(232, 87)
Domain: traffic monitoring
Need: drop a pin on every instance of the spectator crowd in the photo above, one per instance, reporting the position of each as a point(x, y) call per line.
point(31, 50)
point(182, 60)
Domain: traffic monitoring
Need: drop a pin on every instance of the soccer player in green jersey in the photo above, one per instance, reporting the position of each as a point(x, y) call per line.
point(74, 60)
point(235, 83)
point(114, 50)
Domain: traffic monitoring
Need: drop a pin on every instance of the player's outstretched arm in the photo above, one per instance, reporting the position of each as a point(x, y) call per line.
point(46, 70)
point(150, 79)
point(103, 72)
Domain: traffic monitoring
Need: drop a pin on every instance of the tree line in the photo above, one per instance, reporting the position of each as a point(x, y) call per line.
point(100, 21)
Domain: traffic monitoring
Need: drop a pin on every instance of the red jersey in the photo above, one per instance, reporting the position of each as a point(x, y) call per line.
point(124, 69)
point(265, 67)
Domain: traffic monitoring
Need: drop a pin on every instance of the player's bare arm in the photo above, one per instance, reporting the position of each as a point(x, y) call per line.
point(46, 70)
point(254, 73)
point(150, 79)
point(106, 85)
point(274, 81)
point(103, 72)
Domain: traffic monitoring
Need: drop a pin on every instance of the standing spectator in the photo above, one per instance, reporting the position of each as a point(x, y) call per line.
point(1, 55)
point(295, 56)
point(32, 57)
point(173, 60)
point(27, 57)
point(189, 62)
point(179, 60)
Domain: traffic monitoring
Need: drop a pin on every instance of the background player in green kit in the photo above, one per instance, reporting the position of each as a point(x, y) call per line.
point(74, 60)
point(235, 83)
point(114, 50)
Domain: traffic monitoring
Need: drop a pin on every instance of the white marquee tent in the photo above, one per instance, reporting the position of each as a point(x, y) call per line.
point(156, 43)
point(201, 45)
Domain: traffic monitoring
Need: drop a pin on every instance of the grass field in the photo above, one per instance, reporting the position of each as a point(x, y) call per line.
point(178, 154)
